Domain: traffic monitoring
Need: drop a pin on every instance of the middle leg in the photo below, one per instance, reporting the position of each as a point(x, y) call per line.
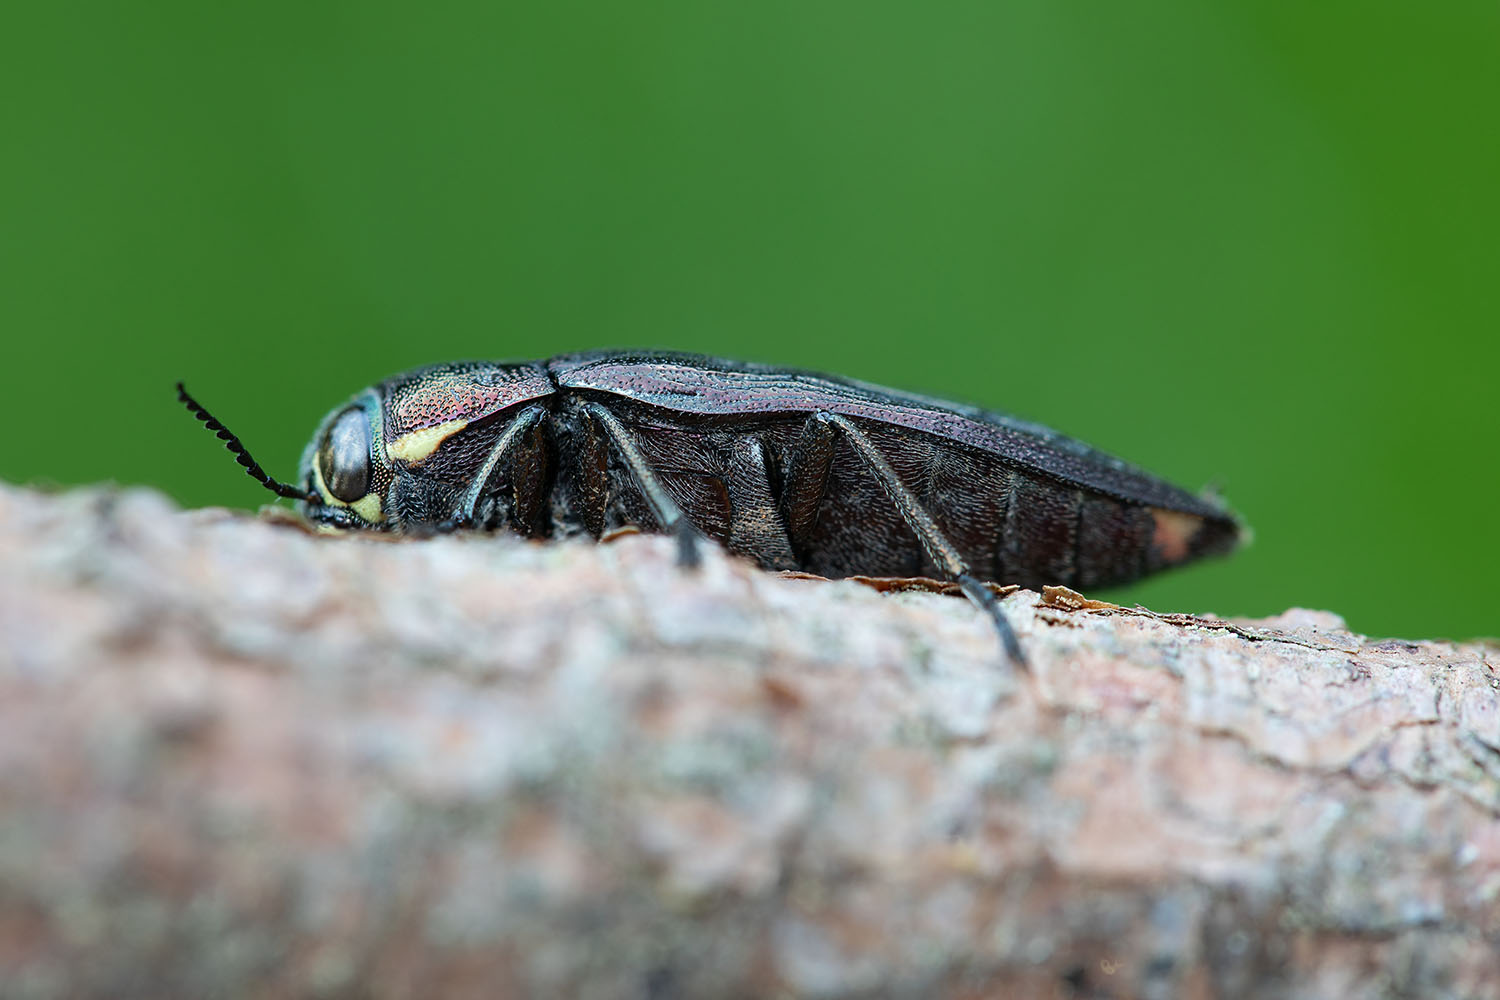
point(670, 516)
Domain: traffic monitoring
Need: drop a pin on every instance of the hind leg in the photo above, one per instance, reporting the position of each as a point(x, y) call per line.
point(807, 479)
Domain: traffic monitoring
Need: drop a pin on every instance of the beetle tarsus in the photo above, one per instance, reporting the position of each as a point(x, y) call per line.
point(451, 525)
point(987, 602)
point(688, 556)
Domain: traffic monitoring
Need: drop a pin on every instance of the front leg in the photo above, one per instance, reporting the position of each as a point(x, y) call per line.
point(515, 439)
point(807, 480)
point(668, 515)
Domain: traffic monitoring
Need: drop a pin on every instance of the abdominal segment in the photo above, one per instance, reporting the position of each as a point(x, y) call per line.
point(1058, 534)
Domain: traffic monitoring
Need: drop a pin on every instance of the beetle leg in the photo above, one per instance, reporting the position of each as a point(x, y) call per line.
point(468, 503)
point(671, 518)
point(941, 551)
point(756, 526)
point(530, 475)
point(592, 461)
point(984, 598)
point(808, 464)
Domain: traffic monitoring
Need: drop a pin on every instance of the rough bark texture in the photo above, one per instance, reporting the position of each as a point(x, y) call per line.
point(238, 760)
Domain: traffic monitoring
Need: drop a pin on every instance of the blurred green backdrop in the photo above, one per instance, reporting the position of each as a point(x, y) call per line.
point(1248, 243)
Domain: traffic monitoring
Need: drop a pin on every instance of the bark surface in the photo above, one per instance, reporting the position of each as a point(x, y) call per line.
point(240, 760)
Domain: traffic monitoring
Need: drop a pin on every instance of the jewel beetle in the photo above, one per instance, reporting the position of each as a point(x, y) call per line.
point(792, 469)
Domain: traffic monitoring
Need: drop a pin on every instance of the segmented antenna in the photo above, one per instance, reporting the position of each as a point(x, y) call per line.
point(241, 453)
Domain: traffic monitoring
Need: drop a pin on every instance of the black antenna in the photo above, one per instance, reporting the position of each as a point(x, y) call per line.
point(241, 454)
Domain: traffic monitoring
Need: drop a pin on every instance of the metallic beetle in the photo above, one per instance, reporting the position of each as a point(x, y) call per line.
point(792, 469)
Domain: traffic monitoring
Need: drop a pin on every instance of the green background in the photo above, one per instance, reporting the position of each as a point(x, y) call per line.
point(1252, 244)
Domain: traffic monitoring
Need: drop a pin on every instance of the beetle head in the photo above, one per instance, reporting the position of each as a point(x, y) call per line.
point(345, 471)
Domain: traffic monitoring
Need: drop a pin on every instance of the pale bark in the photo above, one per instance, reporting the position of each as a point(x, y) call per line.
point(239, 760)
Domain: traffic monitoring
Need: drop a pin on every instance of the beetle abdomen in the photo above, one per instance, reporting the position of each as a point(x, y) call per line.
point(1059, 534)
point(1009, 523)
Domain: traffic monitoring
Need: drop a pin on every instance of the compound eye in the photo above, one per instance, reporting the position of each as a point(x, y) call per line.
point(345, 456)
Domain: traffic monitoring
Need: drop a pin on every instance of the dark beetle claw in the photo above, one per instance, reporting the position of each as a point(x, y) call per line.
point(990, 604)
point(688, 556)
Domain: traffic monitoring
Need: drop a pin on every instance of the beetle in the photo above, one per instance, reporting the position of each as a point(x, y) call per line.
point(792, 469)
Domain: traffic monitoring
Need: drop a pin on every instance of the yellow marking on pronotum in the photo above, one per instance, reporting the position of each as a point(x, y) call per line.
point(414, 446)
point(368, 506)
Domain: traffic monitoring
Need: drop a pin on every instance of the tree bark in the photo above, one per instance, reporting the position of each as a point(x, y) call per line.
point(237, 759)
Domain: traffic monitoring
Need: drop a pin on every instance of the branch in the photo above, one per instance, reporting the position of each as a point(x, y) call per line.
point(240, 760)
